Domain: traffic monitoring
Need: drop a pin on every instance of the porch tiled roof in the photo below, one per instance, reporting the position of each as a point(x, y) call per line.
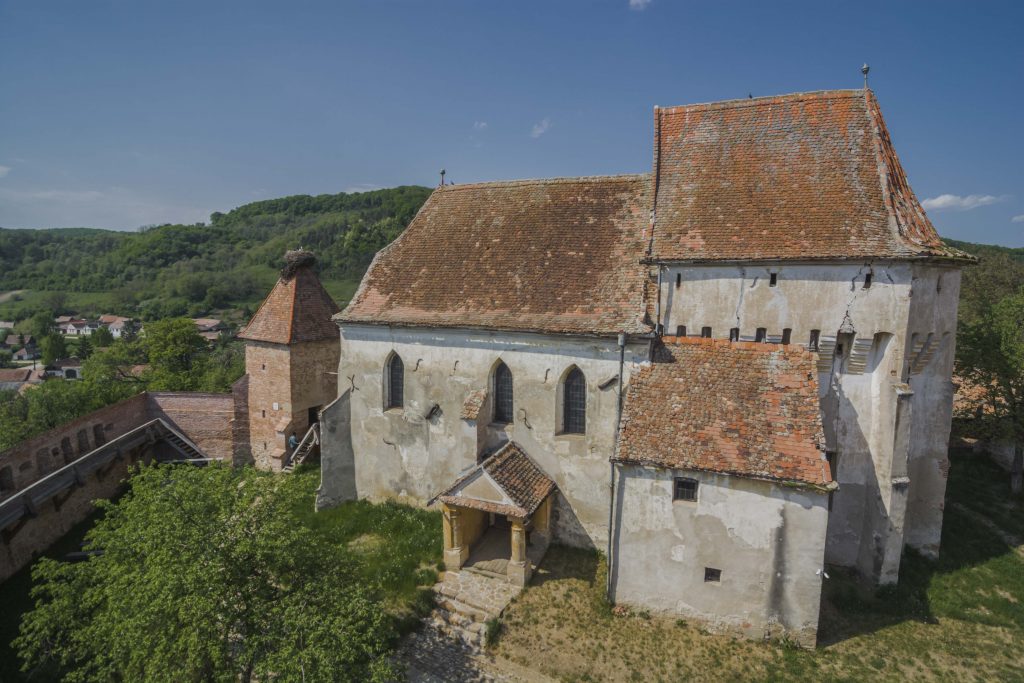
point(738, 408)
point(517, 476)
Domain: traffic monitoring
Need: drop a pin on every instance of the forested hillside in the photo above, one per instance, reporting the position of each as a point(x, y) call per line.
point(173, 270)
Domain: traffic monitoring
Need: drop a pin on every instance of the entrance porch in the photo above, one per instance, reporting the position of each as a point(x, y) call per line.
point(497, 517)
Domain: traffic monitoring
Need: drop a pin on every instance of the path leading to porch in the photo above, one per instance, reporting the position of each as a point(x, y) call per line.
point(491, 553)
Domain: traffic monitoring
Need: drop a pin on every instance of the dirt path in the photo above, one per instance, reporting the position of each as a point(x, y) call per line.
point(7, 296)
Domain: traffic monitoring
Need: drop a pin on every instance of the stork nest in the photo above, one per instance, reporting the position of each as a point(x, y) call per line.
point(296, 259)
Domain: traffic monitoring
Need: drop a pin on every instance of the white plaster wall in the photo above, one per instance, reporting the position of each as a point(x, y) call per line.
point(405, 454)
point(768, 541)
point(936, 295)
point(859, 404)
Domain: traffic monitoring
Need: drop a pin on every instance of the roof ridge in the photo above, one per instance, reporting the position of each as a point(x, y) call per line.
point(560, 180)
point(766, 99)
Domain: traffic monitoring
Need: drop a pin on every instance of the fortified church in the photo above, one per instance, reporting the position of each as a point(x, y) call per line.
point(724, 374)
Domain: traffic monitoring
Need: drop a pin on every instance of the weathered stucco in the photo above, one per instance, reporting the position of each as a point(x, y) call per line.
point(886, 399)
point(418, 450)
point(768, 541)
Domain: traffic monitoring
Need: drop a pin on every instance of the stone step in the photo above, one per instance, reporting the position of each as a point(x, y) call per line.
point(456, 605)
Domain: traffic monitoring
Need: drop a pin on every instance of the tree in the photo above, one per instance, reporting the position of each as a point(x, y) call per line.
point(177, 355)
point(990, 360)
point(102, 337)
point(41, 324)
point(6, 358)
point(205, 574)
point(54, 347)
point(84, 348)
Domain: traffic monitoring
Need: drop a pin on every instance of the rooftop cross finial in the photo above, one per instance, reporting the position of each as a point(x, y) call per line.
point(864, 70)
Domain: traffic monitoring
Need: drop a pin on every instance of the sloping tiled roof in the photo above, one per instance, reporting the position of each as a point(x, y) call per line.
point(298, 309)
point(737, 408)
point(802, 176)
point(558, 256)
point(518, 477)
point(15, 374)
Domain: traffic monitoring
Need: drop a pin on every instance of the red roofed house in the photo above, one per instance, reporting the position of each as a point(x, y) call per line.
point(724, 373)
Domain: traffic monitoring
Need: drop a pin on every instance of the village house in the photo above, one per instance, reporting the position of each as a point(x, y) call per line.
point(725, 373)
point(22, 346)
point(118, 325)
point(17, 379)
point(65, 368)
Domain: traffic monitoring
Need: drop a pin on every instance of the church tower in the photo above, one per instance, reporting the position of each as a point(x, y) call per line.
point(292, 350)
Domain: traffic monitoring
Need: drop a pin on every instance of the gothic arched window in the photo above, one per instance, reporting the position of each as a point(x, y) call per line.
point(502, 394)
point(574, 403)
point(394, 382)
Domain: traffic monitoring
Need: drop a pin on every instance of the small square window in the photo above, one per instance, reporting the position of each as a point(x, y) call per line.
point(812, 344)
point(705, 332)
point(680, 330)
point(712, 575)
point(787, 335)
point(684, 489)
point(773, 279)
point(734, 334)
point(761, 335)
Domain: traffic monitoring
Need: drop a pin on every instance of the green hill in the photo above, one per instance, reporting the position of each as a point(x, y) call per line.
point(230, 263)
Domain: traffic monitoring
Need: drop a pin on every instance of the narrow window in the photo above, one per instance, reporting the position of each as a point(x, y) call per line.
point(67, 450)
point(734, 334)
point(705, 332)
point(502, 394)
point(773, 279)
point(264, 413)
point(679, 280)
point(575, 403)
point(867, 281)
point(98, 436)
point(786, 335)
point(761, 335)
point(680, 330)
point(812, 345)
point(712, 575)
point(684, 489)
point(6, 479)
point(394, 394)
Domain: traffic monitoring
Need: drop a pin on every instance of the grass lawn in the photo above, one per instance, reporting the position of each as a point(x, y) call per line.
point(958, 619)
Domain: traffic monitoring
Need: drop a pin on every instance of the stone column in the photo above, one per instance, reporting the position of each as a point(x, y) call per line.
point(518, 564)
point(455, 551)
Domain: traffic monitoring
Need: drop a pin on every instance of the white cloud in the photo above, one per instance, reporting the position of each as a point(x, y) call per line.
point(1018, 219)
point(958, 203)
point(479, 125)
point(4, 170)
point(639, 5)
point(540, 128)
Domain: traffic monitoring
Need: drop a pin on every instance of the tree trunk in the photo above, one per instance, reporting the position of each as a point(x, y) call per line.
point(1017, 469)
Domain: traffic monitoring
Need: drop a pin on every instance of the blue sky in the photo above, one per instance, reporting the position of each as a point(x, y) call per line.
point(120, 114)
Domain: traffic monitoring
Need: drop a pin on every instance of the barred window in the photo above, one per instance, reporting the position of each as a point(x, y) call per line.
point(684, 489)
point(575, 403)
point(394, 389)
point(502, 394)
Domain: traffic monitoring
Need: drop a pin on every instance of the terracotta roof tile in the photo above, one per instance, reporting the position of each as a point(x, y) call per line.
point(515, 473)
point(298, 309)
point(802, 176)
point(738, 408)
point(559, 255)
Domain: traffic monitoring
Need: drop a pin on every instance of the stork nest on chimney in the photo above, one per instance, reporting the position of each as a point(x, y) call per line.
point(296, 259)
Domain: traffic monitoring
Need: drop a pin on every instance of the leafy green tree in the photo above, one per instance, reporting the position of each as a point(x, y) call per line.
point(6, 358)
point(53, 347)
point(206, 576)
point(178, 356)
point(41, 325)
point(84, 348)
point(102, 338)
point(990, 359)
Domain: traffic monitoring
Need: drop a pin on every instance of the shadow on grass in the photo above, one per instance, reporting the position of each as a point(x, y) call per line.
point(977, 569)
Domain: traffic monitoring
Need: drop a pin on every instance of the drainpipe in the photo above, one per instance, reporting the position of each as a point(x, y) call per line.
point(611, 463)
